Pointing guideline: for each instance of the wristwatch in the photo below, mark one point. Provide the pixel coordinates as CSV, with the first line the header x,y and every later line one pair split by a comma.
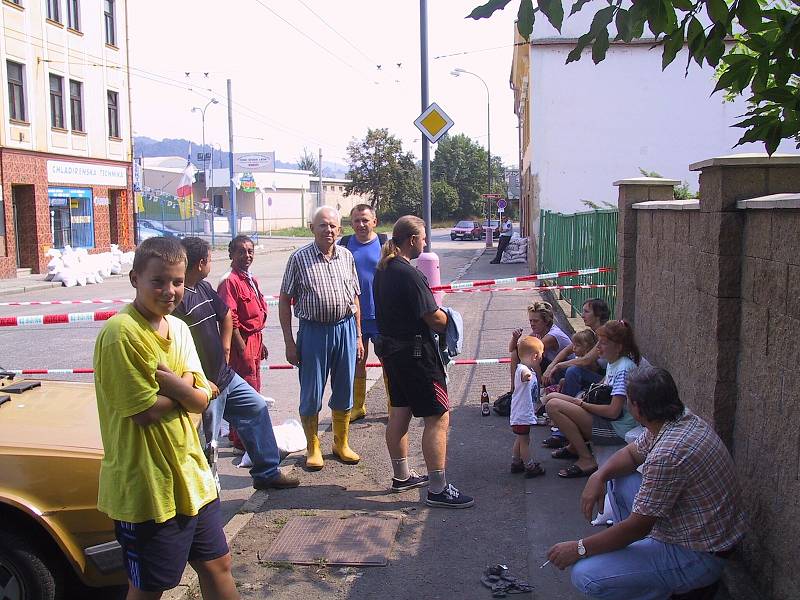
x,y
581,548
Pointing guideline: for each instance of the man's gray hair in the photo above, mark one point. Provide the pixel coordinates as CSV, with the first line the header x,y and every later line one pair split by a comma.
x,y
329,209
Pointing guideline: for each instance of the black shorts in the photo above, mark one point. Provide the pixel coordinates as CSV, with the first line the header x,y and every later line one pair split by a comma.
x,y
157,553
417,383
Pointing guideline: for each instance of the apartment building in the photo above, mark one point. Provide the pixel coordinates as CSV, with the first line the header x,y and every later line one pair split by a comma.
x,y
65,135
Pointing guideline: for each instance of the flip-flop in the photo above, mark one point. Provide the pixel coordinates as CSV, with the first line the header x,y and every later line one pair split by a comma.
x,y
574,472
564,453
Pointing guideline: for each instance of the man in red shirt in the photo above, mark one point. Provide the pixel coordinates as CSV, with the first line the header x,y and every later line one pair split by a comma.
x,y
240,291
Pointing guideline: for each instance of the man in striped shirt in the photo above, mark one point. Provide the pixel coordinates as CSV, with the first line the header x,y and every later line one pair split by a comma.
x,y
322,281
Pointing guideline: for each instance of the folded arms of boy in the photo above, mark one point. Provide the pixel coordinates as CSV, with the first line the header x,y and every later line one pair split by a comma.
x,y
174,391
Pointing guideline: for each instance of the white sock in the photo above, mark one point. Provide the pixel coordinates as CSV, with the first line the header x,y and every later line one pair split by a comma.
x,y
438,481
400,468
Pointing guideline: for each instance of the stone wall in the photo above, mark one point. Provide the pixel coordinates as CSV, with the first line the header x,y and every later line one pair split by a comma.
x,y
713,290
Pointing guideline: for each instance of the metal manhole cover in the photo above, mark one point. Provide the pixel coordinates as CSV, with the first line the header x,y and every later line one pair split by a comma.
x,y
355,542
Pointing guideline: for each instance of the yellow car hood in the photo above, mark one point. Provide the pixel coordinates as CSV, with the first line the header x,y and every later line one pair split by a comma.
x,y
57,415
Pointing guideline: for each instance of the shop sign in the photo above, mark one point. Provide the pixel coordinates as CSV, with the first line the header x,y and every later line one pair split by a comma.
x,y
254,162
60,171
247,182
56,192
101,201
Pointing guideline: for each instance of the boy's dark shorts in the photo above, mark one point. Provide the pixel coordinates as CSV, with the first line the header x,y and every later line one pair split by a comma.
x,y
417,383
156,553
521,429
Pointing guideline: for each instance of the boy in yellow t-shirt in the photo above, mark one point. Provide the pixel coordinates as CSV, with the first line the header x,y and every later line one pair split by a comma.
x,y
155,482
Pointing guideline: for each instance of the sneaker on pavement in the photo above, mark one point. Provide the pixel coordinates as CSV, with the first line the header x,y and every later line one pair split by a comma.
x,y
449,497
413,481
280,481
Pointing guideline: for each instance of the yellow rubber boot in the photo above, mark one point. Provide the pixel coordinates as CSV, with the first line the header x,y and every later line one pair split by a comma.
x,y
341,428
314,460
359,399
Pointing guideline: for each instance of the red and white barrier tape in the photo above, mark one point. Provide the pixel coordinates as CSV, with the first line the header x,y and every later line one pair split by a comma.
x,y
464,361
589,286
272,300
60,319
458,285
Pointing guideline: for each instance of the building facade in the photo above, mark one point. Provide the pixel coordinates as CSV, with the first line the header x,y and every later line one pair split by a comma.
x,y
65,135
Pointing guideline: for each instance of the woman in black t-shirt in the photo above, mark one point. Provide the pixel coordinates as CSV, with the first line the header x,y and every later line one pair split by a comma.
x,y
407,314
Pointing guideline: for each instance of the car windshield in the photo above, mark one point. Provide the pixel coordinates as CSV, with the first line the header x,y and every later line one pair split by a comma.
x,y
464,224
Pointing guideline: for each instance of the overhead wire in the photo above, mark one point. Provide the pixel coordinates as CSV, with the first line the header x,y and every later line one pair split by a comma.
x,y
311,39
334,30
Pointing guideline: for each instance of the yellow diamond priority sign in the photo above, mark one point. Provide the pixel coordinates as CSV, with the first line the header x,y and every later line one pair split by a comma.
x,y
433,122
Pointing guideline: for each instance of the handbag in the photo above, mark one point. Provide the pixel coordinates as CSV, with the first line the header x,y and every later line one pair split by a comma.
x,y
502,406
598,393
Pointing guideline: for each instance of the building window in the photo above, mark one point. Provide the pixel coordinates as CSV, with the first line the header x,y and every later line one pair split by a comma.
x,y
54,10
16,90
71,217
113,114
57,101
76,105
111,30
74,14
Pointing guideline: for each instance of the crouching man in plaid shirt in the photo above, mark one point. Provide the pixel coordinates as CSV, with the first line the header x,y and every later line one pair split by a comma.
x,y
673,533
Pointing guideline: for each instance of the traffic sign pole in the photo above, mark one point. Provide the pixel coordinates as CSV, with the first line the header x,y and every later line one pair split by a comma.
x,y
426,151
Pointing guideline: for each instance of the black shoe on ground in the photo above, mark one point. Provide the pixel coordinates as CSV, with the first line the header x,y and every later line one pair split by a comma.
x,y
494,262
413,481
517,466
450,497
279,482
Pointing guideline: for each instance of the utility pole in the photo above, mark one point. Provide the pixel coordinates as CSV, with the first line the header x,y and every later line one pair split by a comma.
x,y
319,174
426,151
230,162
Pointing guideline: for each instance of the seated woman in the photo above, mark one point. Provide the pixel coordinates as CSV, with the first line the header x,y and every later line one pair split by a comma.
x,y
581,371
606,424
540,316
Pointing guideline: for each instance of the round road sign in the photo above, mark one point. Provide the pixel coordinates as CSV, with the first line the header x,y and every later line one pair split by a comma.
x,y
501,204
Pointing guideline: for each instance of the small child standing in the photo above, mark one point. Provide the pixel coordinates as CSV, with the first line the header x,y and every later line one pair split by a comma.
x,y
526,388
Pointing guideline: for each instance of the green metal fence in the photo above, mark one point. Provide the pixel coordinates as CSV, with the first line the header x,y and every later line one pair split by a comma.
x,y
580,241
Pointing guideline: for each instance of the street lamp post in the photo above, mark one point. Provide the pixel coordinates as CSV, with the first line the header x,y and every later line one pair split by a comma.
x,y
456,73
202,112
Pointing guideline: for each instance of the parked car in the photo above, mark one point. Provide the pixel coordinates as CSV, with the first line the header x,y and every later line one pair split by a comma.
x,y
495,225
51,532
164,230
146,232
467,230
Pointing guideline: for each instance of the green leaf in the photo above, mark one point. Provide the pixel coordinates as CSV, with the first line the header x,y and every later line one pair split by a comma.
x,y
554,11
600,46
525,18
601,20
583,41
715,47
749,13
623,23
779,95
577,6
684,5
657,18
672,45
718,11
486,10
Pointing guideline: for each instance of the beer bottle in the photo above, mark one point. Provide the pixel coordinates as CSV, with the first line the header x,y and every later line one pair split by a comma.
x,y
484,402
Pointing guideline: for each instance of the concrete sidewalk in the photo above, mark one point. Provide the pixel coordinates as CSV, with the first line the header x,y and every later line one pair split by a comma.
x,y
437,553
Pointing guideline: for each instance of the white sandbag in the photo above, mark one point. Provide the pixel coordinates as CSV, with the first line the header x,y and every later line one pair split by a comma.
x,y
289,436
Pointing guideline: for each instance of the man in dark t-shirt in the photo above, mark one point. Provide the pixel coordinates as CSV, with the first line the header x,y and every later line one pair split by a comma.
x,y
211,325
407,313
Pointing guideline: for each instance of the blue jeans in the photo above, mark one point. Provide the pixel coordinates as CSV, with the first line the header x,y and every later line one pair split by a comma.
x,y
647,569
326,349
245,409
578,378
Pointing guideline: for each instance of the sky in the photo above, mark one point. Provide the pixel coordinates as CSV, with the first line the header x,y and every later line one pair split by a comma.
x,y
305,72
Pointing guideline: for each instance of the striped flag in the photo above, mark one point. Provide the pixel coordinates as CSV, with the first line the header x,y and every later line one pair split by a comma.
x,y
184,192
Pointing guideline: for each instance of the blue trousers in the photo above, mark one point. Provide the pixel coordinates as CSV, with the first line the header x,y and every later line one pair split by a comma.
x,y
578,378
647,569
245,410
326,350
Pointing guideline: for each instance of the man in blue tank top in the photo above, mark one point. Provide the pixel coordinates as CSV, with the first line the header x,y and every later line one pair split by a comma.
x,y
365,246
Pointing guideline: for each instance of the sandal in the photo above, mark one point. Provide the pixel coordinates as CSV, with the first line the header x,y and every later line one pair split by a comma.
x,y
534,470
564,452
555,442
574,472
